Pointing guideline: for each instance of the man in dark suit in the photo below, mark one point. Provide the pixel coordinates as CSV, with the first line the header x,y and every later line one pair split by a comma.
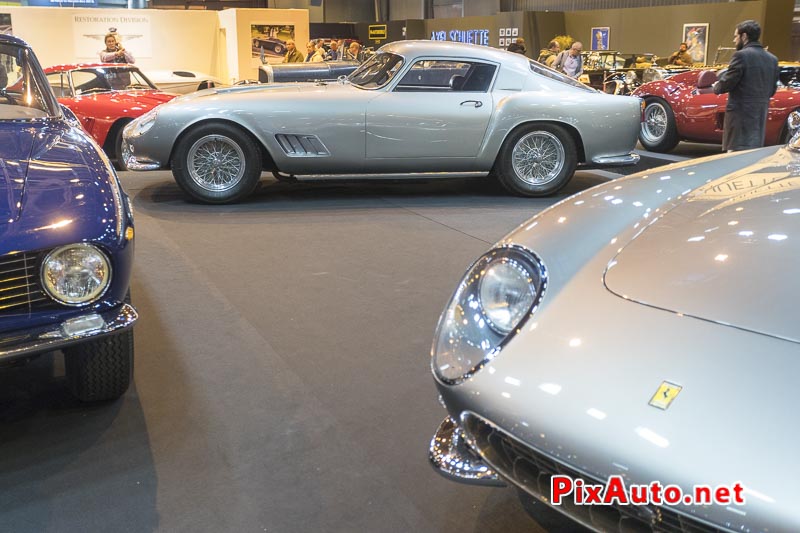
x,y
750,80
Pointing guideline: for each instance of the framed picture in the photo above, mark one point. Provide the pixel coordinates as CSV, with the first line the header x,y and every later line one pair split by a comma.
x,y
514,32
268,41
502,32
600,38
695,35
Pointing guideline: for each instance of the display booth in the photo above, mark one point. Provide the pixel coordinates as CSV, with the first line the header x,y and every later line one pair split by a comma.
x,y
227,44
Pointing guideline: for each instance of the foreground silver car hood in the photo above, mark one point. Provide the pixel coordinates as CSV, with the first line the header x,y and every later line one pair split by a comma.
x,y
575,381
724,248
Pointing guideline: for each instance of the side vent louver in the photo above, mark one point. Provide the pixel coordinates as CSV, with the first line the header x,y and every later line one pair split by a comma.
x,y
302,145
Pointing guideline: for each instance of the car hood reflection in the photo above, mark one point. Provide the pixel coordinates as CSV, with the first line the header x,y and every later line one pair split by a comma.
x,y
719,251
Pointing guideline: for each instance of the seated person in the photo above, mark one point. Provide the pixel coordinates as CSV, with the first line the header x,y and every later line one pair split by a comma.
x,y
681,57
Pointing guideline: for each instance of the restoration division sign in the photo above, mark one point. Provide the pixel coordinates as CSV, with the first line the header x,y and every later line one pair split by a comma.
x,y
133,31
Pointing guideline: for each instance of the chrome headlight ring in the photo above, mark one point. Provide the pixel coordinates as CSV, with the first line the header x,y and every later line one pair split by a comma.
x,y
498,294
76,274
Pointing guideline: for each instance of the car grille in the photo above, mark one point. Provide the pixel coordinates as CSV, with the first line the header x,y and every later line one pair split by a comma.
x,y
532,470
20,289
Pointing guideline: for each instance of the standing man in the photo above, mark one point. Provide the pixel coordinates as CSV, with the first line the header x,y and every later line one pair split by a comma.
x,y
681,57
570,61
750,80
547,56
293,55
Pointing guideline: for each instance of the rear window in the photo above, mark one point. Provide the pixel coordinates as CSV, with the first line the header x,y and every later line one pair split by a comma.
x,y
538,68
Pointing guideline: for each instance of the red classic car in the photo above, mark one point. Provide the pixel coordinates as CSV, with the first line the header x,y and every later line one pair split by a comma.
x,y
684,107
105,97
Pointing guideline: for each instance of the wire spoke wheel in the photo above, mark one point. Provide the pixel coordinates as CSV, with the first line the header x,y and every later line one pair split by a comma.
x,y
216,163
538,157
654,126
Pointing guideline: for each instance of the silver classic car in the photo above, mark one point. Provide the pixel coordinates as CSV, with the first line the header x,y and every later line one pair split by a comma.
x,y
414,107
639,338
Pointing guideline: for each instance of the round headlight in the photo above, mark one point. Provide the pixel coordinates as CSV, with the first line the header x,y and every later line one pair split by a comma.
x,y
506,294
76,274
630,77
498,293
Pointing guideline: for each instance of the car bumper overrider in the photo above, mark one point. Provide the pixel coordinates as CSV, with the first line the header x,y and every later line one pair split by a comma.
x,y
71,331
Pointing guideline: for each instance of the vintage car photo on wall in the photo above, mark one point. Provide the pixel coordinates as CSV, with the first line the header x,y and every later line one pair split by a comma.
x,y
467,108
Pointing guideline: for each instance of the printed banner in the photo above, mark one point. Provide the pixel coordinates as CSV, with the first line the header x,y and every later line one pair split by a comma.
x,y
132,30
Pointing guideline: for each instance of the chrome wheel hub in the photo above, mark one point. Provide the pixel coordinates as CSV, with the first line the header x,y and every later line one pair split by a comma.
x,y
538,157
216,163
655,123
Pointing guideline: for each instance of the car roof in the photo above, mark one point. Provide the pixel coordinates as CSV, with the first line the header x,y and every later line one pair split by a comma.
x,y
63,68
5,38
419,48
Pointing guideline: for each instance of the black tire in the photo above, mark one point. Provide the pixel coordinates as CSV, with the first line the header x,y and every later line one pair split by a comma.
x,y
101,369
204,180
658,132
536,160
118,148
278,49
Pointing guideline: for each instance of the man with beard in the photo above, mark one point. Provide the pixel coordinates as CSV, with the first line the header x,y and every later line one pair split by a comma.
x,y
750,80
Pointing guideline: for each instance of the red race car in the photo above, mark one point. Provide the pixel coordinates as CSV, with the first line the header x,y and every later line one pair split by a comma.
x,y
685,108
105,97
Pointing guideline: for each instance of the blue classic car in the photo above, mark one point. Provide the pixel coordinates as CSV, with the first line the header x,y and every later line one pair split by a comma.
x,y
66,244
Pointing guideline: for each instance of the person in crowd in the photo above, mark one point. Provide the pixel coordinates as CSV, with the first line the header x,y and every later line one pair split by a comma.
x,y
313,54
293,55
334,54
750,81
115,52
681,57
518,46
547,56
353,52
570,62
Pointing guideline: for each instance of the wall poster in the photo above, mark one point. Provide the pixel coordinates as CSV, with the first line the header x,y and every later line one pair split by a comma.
x,y
268,41
600,38
695,35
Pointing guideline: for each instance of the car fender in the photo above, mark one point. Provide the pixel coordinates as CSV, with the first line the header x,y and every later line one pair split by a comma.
x,y
593,122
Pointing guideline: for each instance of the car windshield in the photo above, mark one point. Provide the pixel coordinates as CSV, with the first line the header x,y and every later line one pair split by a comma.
x,y
377,71
24,95
547,72
104,79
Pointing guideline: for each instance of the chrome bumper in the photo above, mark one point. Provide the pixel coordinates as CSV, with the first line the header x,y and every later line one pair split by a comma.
x,y
137,163
451,456
616,161
75,330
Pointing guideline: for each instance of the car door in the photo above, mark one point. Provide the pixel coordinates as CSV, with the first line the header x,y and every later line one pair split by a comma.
x,y
703,116
439,109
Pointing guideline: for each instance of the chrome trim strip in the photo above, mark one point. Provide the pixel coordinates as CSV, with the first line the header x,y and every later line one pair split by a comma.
x,y
617,160
48,338
451,457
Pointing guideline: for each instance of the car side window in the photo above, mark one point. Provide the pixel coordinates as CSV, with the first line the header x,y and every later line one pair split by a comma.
x,y
447,76
87,81
60,84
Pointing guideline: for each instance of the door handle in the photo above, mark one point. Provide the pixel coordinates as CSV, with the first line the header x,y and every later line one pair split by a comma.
x,y
475,103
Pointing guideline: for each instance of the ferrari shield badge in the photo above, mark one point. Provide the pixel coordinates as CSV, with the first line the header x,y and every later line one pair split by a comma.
x,y
665,394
